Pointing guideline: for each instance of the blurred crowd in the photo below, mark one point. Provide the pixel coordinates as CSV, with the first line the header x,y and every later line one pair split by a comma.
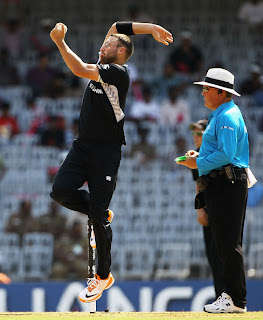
x,y
160,100
70,242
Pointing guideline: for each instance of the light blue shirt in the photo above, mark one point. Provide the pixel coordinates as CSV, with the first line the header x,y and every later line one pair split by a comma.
x,y
225,140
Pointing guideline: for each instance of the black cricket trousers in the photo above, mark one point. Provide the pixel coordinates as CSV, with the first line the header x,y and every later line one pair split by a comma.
x,y
214,260
226,206
97,164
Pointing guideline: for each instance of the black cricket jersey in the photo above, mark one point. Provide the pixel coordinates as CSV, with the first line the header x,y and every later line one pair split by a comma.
x,y
102,110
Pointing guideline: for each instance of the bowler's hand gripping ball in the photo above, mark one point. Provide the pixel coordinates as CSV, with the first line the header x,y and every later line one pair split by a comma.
x,y
60,28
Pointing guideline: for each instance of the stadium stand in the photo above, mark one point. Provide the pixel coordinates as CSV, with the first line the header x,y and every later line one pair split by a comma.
x,y
10,254
155,220
36,256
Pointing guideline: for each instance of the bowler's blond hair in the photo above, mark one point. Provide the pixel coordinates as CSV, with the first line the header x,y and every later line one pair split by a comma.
x,y
126,42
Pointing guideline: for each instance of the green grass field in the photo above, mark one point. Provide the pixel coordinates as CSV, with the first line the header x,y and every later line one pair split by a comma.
x,y
127,315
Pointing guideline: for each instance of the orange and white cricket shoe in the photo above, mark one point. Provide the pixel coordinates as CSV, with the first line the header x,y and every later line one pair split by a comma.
x,y
111,216
92,238
95,288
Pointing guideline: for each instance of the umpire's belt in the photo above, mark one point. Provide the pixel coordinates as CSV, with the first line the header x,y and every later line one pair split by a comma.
x,y
214,173
239,172
204,180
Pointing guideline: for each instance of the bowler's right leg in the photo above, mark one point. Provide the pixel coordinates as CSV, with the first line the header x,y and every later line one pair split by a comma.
x,y
71,176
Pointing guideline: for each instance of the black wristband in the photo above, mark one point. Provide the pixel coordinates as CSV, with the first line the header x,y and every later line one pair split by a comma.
x,y
124,27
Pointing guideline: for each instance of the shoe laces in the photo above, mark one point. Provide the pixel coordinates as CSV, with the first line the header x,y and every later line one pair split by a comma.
x,y
93,284
224,296
89,281
218,300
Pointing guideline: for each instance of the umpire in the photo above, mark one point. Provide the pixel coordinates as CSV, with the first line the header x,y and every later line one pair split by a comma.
x,y
221,163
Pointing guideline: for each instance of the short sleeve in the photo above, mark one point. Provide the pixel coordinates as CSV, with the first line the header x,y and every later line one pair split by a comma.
x,y
113,74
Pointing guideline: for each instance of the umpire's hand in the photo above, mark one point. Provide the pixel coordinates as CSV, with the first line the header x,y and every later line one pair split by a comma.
x,y
190,162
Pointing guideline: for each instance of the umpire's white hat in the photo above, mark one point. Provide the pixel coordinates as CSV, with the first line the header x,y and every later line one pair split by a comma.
x,y
219,78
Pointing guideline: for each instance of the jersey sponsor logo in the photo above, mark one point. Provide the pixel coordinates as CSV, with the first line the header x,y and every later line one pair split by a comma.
x,y
94,89
105,66
226,127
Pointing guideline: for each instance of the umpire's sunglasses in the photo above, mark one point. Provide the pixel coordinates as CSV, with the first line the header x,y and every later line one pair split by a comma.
x,y
197,133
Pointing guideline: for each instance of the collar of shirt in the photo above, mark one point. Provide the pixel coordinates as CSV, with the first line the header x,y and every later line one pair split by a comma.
x,y
220,108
